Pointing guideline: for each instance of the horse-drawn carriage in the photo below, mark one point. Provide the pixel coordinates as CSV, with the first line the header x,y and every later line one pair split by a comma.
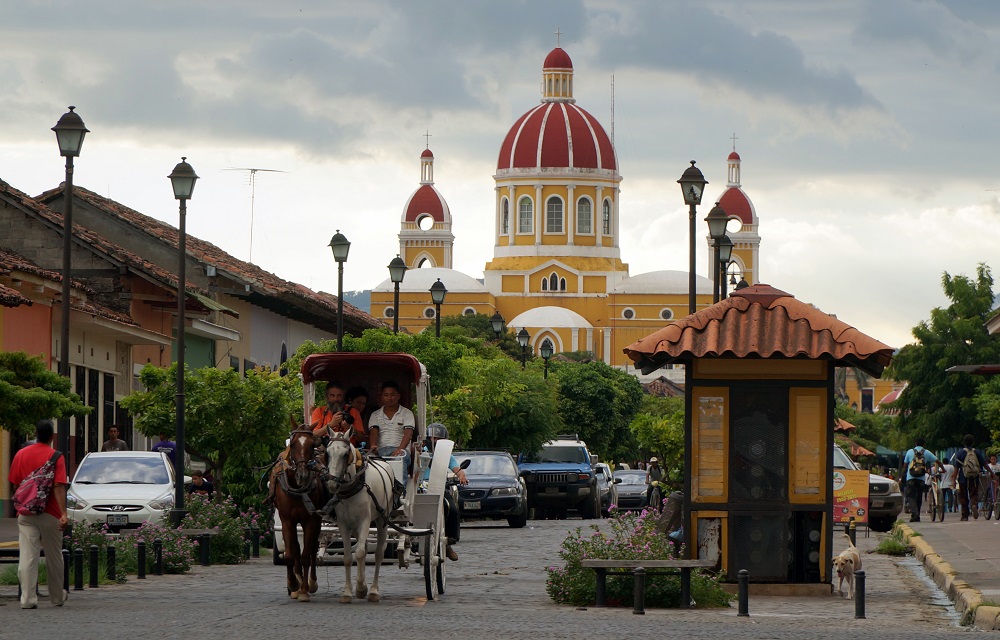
x,y
325,501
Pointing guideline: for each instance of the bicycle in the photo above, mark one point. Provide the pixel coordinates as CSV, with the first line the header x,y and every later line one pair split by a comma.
x,y
991,496
935,499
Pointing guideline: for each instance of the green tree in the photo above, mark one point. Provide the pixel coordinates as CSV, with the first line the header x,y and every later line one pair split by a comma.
x,y
235,423
939,405
659,430
987,401
873,429
29,392
598,402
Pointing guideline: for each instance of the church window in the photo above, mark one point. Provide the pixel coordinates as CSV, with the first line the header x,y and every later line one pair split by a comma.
x,y
388,312
545,284
584,216
628,313
607,218
554,216
666,314
562,284
429,312
554,282
525,216
505,217
468,311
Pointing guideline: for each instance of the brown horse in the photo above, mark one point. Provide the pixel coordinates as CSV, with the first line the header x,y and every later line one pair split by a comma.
x,y
298,493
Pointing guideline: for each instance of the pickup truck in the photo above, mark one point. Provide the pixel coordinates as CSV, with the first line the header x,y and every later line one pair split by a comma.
x,y
560,477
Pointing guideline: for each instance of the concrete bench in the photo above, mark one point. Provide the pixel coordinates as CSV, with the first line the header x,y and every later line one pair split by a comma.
x,y
649,567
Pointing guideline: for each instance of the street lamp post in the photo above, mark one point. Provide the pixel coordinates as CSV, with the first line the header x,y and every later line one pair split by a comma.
x,y
438,292
70,132
522,339
692,186
497,324
724,250
546,353
717,221
340,246
182,178
397,269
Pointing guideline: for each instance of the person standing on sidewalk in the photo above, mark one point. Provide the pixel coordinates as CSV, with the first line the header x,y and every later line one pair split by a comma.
x,y
970,462
43,531
916,462
948,487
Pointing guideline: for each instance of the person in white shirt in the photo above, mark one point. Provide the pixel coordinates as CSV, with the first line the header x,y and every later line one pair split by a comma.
x,y
391,426
948,487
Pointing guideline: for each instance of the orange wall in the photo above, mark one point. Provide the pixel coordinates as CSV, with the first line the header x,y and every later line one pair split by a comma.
x,y
27,328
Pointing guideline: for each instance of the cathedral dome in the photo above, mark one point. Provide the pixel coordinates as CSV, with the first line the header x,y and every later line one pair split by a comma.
x,y
426,200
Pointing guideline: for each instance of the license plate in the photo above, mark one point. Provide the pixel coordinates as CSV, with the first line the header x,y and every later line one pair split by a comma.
x,y
551,489
473,505
118,520
877,503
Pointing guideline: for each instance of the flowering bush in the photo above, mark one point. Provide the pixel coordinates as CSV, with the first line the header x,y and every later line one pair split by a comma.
x,y
228,545
632,537
178,550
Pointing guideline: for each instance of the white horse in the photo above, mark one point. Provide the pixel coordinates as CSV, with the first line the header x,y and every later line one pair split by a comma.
x,y
361,488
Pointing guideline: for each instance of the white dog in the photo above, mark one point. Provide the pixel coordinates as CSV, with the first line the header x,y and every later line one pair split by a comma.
x,y
846,564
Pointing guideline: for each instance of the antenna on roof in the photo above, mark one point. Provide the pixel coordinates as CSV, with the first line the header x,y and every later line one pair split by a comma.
x,y
253,187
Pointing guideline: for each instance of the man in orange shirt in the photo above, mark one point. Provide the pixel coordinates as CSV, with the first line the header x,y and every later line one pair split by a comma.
x,y
337,417
43,531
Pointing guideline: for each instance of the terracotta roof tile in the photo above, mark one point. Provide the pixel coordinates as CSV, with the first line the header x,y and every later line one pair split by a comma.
x,y
11,298
760,321
11,262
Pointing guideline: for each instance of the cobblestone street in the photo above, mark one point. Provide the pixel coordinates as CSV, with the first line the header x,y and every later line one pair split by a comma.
x,y
497,586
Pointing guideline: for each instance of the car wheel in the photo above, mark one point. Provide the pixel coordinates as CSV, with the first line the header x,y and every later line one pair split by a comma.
x,y
882,525
519,520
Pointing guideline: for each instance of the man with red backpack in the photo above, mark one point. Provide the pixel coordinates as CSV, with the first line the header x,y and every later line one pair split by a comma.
x,y
41,518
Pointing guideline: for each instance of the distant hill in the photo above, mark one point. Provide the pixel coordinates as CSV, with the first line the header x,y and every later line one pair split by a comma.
x,y
360,299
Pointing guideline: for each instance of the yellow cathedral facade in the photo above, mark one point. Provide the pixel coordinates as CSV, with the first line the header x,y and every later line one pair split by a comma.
x,y
556,269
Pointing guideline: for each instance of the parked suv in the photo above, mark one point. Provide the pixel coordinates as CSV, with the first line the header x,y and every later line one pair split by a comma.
x,y
885,501
559,477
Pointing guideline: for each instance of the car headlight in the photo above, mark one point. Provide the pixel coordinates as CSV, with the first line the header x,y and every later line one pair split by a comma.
x,y
893,487
74,502
164,502
504,491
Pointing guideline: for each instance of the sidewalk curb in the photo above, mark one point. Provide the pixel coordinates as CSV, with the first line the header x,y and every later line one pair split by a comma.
x,y
964,595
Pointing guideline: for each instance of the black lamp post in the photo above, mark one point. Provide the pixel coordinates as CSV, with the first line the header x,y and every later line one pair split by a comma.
x,y
725,253
546,353
182,178
438,292
340,246
522,339
497,323
692,186
397,269
717,221
70,132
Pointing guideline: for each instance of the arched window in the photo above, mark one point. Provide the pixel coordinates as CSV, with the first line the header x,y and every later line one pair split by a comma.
x,y
554,282
468,311
584,216
547,343
505,217
562,284
525,216
545,284
554,216
606,224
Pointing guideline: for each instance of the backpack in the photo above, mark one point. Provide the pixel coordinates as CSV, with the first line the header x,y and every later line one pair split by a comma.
x,y
970,467
917,466
32,494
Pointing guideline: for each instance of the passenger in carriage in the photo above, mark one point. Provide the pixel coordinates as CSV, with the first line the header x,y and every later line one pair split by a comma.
x,y
391,426
338,417
357,397
452,519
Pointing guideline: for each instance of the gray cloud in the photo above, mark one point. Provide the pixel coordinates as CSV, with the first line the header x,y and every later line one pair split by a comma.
x,y
903,23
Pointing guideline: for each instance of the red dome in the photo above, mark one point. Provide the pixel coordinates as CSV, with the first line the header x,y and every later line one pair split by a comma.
x,y
557,59
735,203
426,200
734,156
427,154
557,135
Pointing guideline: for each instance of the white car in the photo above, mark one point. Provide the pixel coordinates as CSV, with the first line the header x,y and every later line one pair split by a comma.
x,y
121,489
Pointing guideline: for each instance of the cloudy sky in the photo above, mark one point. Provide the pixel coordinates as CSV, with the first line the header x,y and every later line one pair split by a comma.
x,y
867,129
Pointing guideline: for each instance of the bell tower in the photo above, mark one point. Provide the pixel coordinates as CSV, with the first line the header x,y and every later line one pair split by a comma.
x,y
425,237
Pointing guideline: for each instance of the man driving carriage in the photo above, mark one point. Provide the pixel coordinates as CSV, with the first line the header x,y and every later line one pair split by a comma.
x,y
391,426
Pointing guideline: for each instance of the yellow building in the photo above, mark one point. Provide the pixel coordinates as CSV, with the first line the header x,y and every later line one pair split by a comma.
x,y
556,269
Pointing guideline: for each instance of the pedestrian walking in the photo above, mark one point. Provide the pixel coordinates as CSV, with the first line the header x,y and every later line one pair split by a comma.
x,y
916,462
970,462
42,530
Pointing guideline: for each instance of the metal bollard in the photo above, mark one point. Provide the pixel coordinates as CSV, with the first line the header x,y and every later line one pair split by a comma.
x,y
246,548
66,563
94,551
743,580
112,569
157,557
859,595
852,531
639,593
140,552
255,542
204,551
77,569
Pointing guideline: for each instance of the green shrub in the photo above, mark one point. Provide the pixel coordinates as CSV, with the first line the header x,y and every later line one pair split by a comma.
x,y
228,545
893,545
178,550
633,537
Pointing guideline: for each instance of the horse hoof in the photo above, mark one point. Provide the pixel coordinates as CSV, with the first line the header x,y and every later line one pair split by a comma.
x,y
362,592
346,599
303,597
313,586
373,597
294,595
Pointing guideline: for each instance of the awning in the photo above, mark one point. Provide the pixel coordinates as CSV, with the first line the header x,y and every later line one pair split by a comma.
x,y
977,369
212,305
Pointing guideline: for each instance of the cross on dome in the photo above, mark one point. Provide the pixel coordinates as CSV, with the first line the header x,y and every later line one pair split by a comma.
x,y
558,33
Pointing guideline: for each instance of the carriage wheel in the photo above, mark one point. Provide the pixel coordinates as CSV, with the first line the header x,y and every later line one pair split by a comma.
x,y
442,568
425,544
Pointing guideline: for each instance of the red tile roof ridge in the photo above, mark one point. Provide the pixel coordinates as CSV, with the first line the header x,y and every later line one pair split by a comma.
x,y
12,298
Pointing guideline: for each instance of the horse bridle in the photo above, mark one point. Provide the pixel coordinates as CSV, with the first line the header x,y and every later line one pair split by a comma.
x,y
309,465
348,486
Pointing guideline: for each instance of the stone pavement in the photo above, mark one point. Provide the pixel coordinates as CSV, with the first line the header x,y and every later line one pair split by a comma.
x,y
497,587
963,558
